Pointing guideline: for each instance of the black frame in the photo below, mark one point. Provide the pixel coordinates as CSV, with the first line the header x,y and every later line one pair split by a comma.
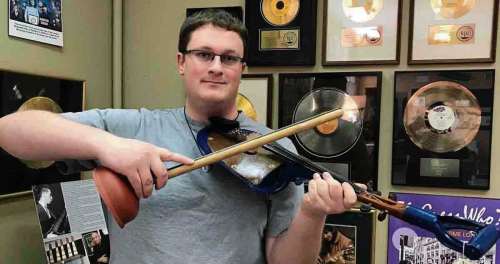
x,y
305,22
474,169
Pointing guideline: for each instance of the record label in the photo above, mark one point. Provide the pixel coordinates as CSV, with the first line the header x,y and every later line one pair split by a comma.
x,y
441,118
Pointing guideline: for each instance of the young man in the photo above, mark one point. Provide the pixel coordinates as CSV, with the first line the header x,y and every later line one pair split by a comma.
x,y
205,216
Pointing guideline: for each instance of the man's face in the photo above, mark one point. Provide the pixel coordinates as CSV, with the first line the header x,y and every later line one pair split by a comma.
x,y
96,239
47,196
211,83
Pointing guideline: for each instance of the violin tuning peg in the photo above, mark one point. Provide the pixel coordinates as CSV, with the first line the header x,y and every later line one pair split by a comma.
x,y
381,216
365,208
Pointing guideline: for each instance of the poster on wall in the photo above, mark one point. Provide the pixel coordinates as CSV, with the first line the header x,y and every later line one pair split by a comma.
x,y
38,20
410,244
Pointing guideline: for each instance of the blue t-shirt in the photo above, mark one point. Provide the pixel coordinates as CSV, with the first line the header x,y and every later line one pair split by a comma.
x,y
200,217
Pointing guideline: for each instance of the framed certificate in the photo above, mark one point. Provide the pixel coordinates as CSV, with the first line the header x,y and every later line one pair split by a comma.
x,y
361,32
255,97
444,31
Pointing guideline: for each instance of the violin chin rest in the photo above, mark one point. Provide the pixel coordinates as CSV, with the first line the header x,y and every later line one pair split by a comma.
x,y
117,194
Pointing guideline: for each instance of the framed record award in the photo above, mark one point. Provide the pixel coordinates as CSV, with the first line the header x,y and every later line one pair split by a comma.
x,y
452,31
347,146
21,92
361,32
255,97
442,128
281,32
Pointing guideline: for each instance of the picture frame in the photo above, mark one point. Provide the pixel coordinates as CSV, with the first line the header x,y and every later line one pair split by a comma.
x,y
24,91
442,128
281,33
348,238
361,35
415,245
258,90
452,34
350,149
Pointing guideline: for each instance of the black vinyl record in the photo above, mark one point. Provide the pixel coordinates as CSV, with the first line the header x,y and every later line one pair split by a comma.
x,y
281,32
442,128
349,145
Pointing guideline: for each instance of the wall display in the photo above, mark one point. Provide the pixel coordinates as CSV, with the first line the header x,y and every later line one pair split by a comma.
x,y
21,92
361,32
281,32
442,128
349,145
255,97
236,11
38,20
445,31
410,244
347,238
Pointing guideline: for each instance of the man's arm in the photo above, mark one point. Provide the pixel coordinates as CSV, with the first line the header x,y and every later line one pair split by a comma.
x,y
301,242
41,135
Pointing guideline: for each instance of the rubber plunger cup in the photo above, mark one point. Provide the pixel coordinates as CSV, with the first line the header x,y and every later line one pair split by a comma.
x,y
121,200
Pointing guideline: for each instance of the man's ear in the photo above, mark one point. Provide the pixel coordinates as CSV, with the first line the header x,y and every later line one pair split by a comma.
x,y
180,63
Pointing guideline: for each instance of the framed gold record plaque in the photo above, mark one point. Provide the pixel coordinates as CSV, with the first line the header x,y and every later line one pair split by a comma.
x,y
442,128
255,97
452,31
281,32
347,146
21,92
361,32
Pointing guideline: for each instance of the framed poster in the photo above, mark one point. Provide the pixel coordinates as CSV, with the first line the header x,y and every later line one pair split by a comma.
x,y
410,244
38,20
442,128
452,31
361,32
255,97
281,33
348,238
347,146
21,92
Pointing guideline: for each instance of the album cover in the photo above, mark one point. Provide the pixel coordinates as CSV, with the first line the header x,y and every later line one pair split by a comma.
x,y
281,32
20,92
347,146
442,128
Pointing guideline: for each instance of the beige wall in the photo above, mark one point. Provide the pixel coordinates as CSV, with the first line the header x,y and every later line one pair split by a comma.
x,y
150,79
86,55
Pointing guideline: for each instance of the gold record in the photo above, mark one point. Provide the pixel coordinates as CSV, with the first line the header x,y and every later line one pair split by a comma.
x,y
362,10
244,104
452,9
279,12
442,116
39,103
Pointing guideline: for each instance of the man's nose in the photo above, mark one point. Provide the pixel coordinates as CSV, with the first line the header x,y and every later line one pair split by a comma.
x,y
215,65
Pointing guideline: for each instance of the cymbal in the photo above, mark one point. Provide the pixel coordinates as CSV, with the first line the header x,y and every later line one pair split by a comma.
x,y
244,104
332,138
442,116
39,103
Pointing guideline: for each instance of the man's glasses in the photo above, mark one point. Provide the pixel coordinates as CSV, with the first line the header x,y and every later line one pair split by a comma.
x,y
208,56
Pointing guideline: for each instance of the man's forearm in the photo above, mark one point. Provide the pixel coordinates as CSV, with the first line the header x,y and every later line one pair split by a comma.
x,y
40,135
301,242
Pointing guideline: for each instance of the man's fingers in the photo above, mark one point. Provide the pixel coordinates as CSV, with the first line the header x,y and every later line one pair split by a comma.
x,y
166,155
350,197
135,181
160,172
146,181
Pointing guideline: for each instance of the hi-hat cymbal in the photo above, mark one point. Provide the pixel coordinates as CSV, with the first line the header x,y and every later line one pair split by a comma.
x,y
362,11
452,9
333,138
442,116
39,103
279,12
244,104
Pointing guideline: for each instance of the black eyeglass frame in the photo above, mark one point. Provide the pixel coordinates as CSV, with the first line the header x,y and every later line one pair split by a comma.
x,y
228,58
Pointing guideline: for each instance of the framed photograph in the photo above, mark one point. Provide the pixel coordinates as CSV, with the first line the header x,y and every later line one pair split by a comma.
x,y
255,97
347,146
281,33
38,20
361,32
452,31
19,92
348,238
411,244
443,128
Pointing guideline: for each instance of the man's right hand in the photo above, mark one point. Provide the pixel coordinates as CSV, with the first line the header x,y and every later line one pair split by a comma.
x,y
138,160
